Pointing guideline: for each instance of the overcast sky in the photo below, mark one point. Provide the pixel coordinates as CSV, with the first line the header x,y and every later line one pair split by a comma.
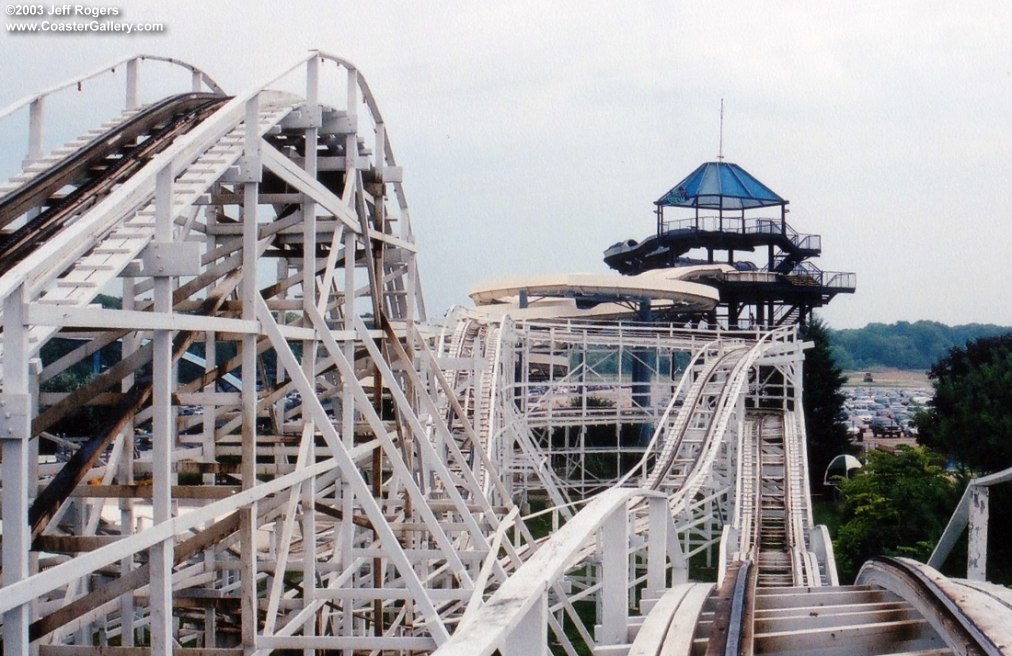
x,y
534,135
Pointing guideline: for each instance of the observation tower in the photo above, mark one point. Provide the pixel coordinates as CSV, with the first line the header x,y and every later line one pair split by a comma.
x,y
709,218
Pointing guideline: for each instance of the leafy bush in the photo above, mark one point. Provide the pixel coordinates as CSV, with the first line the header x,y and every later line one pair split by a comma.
x,y
898,505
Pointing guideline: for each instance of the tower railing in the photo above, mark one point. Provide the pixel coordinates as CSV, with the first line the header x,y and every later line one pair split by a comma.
x,y
744,226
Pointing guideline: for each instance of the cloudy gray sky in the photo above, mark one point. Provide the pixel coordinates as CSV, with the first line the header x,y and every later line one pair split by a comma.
x,y
536,134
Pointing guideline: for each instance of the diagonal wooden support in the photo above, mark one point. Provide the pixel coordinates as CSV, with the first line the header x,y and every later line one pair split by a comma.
x,y
349,470
393,453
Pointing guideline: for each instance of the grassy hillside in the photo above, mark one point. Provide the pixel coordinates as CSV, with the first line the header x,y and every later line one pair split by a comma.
x,y
903,345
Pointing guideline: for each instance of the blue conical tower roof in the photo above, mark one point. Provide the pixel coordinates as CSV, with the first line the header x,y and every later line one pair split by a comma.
x,y
720,185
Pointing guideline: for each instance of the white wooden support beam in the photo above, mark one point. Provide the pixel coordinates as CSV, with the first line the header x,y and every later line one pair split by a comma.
x,y
953,530
171,258
91,317
348,407
530,637
614,550
381,146
312,84
309,346
397,464
657,547
351,475
976,557
352,92
338,123
351,140
15,416
346,534
250,162
287,170
162,433
15,433
130,343
249,296
67,572
126,508
132,101
309,569
35,125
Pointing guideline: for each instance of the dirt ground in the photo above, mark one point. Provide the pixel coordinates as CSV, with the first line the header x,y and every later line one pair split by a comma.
x,y
888,378
871,443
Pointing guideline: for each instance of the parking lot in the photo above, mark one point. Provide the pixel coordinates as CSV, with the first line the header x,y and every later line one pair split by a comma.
x,y
880,407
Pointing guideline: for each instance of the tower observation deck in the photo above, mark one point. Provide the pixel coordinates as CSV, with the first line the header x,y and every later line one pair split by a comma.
x,y
710,217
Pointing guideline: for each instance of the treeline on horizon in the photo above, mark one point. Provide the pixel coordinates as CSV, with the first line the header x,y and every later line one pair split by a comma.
x,y
903,345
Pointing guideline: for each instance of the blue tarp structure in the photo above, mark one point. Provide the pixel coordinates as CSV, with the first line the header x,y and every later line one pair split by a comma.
x,y
720,185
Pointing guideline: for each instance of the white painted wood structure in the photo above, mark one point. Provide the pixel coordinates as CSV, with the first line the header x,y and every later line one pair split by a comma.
x,y
334,474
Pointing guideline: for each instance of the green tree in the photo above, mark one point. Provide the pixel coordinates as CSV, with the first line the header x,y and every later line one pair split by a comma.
x,y
897,505
970,417
823,401
903,345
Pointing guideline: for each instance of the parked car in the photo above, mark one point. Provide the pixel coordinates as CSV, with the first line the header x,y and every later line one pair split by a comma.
x,y
881,427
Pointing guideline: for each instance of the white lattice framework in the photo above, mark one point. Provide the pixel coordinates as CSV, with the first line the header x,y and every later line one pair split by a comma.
x,y
372,485
326,503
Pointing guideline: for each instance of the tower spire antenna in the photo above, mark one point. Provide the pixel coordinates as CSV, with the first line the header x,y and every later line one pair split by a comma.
x,y
720,145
